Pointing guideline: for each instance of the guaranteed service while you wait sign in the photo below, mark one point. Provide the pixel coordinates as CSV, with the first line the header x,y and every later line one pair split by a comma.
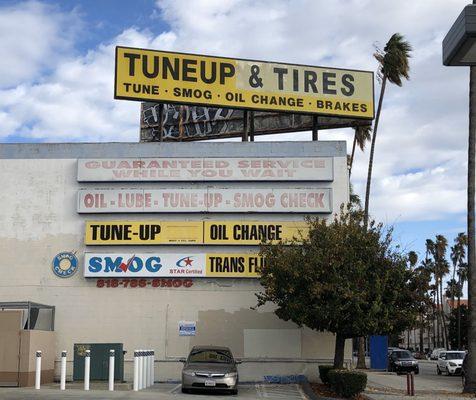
x,y
225,82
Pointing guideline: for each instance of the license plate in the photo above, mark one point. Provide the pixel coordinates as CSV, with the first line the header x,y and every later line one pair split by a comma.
x,y
210,383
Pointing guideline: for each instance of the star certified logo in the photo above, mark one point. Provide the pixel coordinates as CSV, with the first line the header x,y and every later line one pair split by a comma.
x,y
185,262
65,264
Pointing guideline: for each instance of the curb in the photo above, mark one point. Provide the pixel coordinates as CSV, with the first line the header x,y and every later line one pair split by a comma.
x,y
306,388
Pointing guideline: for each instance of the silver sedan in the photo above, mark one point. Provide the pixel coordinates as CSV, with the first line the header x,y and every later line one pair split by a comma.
x,y
210,367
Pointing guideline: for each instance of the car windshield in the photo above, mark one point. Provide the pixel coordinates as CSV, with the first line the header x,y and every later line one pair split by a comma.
x,y
455,356
402,355
210,356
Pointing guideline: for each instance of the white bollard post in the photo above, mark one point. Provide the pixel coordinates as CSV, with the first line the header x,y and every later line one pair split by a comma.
x,y
63,371
140,369
38,370
152,371
136,370
87,369
143,369
111,370
148,369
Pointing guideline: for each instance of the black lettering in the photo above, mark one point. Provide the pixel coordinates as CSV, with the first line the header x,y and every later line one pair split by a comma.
x,y
94,231
363,108
281,72
310,78
168,68
295,80
132,62
227,70
347,80
328,80
145,65
203,72
188,67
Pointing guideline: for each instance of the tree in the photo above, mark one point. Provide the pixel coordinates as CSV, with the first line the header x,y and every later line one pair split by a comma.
x,y
453,334
393,66
362,135
344,278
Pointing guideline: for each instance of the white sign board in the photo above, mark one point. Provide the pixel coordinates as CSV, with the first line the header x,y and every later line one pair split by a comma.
x,y
265,200
206,169
187,328
152,265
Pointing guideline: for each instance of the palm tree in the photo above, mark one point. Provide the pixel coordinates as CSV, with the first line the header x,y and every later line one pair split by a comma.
x,y
362,134
393,66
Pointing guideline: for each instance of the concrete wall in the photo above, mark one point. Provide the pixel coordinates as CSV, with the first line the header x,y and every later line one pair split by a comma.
x,y
39,220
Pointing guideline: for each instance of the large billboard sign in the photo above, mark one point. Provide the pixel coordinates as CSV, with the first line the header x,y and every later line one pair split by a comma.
x,y
256,85
166,265
187,122
210,199
155,232
206,169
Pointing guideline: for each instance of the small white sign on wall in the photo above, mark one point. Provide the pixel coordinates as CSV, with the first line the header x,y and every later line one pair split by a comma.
x,y
187,328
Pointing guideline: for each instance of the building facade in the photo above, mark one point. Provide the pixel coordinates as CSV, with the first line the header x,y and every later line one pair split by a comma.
x,y
57,197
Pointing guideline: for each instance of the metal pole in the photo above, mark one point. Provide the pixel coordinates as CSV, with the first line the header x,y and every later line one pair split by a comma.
x,y
412,384
111,370
136,370
252,126
38,370
315,132
87,369
63,371
147,368
470,373
143,370
245,126
152,371
161,121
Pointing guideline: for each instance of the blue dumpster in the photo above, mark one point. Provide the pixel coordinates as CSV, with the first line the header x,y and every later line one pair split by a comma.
x,y
378,352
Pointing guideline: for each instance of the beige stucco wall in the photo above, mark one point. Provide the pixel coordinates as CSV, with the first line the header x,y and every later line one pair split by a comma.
x,y
39,220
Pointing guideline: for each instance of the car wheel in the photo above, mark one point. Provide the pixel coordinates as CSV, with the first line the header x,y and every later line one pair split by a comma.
x,y
417,371
234,391
438,370
447,371
185,390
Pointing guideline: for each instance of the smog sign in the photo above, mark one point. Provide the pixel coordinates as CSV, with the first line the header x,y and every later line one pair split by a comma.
x,y
166,265
257,85
206,169
210,199
155,232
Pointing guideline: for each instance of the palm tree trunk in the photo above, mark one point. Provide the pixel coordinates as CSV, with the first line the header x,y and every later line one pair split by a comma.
x,y
470,381
443,317
459,317
361,356
353,152
372,150
361,353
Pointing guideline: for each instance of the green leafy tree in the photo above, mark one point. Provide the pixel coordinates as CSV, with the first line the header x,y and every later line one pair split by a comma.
x,y
344,278
454,335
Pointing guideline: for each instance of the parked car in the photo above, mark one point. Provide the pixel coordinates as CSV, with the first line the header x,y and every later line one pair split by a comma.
x,y
390,349
450,362
210,367
401,361
435,353
419,355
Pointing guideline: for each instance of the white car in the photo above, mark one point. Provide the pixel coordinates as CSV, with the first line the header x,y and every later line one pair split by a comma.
x,y
435,353
450,362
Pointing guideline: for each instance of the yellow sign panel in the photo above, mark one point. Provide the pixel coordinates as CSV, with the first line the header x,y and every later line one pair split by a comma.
x,y
251,232
196,232
233,265
225,82
143,232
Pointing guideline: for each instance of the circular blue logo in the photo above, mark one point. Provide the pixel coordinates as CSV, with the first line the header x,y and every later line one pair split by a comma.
x,y
65,264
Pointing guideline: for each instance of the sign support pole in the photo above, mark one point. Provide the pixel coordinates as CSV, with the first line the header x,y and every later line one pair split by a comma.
x,y
315,134
244,138
161,121
252,126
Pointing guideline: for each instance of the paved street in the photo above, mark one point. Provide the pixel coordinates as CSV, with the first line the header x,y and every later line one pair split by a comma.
x,y
160,391
386,385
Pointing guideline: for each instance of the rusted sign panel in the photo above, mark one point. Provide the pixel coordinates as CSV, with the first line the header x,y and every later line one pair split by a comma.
x,y
187,123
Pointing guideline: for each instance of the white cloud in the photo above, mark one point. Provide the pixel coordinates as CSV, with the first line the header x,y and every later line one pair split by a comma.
x,y
419,171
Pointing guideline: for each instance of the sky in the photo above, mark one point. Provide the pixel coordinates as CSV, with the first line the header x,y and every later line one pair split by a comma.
x,y
57,72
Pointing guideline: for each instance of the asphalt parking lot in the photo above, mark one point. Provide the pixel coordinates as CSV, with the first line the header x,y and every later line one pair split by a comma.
x,y
159,391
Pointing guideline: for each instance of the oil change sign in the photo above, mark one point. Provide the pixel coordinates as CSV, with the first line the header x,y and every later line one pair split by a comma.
x,y
195,232
166,265
225,82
